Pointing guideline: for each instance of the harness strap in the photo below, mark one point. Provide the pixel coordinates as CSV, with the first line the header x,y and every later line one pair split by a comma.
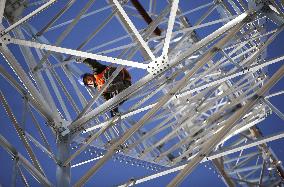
x,y
100,77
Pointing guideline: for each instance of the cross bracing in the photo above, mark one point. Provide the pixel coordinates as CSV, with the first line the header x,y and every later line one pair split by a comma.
x,y
200,87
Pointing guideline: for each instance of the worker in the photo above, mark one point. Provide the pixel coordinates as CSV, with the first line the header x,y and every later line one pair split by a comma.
x,y
101,73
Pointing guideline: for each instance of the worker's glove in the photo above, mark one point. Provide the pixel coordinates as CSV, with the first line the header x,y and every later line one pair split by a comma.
x,y
79,59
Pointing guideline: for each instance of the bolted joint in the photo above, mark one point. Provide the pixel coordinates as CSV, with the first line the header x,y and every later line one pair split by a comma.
x,y
60,137
158,66
50,123
5,38
2,33
59,163
217,2
216,49
261,97
203,155
121,147
118,148
249,17
132,181
245,69
122,1
15,157
265,8
256,96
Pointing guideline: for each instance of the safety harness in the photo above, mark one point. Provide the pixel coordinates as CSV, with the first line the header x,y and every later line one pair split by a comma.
x,y
101,79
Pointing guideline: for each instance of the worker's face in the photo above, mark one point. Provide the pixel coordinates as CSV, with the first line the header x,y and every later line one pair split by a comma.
x,y
90,80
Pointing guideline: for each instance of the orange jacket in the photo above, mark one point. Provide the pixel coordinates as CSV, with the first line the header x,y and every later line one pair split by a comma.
x,y
104,75
100,78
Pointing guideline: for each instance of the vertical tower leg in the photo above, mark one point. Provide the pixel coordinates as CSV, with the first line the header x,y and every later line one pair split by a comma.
x,y
63,172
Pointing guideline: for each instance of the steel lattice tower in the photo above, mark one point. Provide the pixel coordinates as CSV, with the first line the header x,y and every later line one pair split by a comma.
x,y
200,87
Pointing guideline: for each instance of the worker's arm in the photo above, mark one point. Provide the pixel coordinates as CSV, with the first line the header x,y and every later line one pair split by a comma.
x,y
126,75
90,62
123,75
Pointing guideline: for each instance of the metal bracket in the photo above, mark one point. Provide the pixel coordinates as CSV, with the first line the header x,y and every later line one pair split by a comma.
x,y
131,182
64,126
159,65
6,39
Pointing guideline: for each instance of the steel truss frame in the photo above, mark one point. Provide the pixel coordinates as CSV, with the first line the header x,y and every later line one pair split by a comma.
x,y
199,99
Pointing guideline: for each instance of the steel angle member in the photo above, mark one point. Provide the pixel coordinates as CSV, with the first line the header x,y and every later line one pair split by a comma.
x,y
27,17
75,52
2,7
146,79
123,116
131,28
24,162
213,155
229,124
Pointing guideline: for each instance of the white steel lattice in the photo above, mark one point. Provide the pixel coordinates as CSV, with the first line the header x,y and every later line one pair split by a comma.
x,y
200,87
